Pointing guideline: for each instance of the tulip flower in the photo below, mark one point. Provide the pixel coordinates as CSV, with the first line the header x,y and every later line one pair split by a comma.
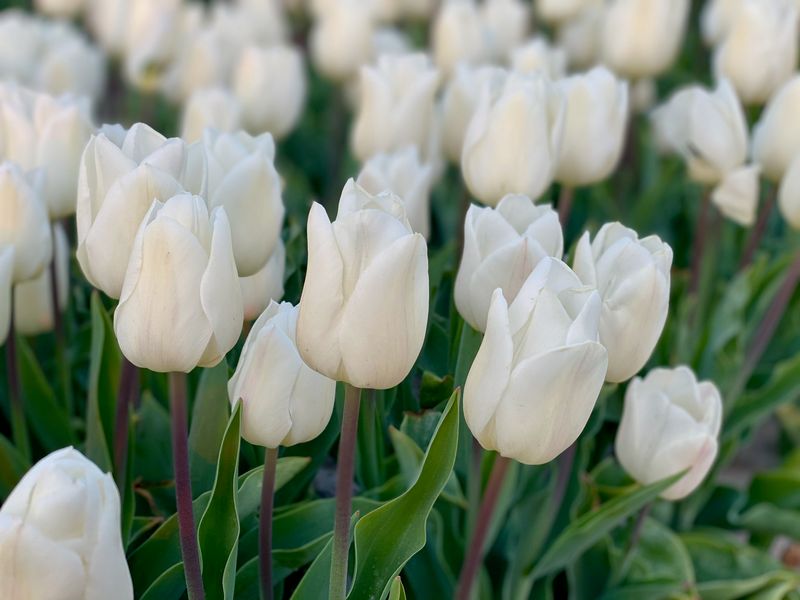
x,y
69,64
60,533
25,225
776,136
364,306
60,8
540,368
403,174
513,141
210,108
507,22
632,276
594,135
341,38
284,402
717,18
396,107
180,305
266,285
537,55
670,423
502,246
121,173
6,272
459,36
789,194
243,179
581,37
559,11
200,63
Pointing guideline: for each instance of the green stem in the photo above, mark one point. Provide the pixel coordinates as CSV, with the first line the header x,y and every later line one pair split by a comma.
x,y
757,233
700,239
265,522
62,356
127,383
633,542
19,428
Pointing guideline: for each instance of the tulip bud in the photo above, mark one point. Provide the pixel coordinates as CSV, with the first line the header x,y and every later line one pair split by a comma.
x,y
459,35
60,533
514,140
60,8
641,38
107,20
121,173
559,11
364,307
6,282
789,194
538,55
670,423
507,22
717,19
632,277
736,196
33,300
403,174
581,37
181,306
502,246
211,108
266,285
20,44
539,370
341,38
24,222
70,66
243,179
594,134
759,52
776,136
270,84
284,402
198,65
396,107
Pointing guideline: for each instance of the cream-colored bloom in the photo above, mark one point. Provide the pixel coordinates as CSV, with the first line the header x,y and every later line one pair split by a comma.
x,y
538,56
459,35
265,286
210,108
789,194
776,136
341,38
581,37
507,22
559,11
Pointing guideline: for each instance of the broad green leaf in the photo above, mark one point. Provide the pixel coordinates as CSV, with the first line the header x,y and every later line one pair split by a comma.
x,y
370,441
12,467
397,591
170,584
209,419
469,343
660,556
153,459
248,579
428,575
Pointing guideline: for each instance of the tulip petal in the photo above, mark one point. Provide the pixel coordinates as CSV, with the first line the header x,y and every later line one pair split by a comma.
x,y
311,408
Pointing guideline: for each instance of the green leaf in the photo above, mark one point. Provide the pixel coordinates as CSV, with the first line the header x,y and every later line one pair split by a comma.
x,y
170,585
397,591
389,536
209,419
12,467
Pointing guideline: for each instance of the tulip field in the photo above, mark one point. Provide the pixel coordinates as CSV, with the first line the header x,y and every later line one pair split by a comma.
x,y
388,299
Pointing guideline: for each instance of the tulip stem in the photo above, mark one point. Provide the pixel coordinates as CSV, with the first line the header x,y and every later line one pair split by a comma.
x,y
19,428
565,198
633,541
62,357
754,241
265,523
183,488
127,382
472,562
344,494
700,238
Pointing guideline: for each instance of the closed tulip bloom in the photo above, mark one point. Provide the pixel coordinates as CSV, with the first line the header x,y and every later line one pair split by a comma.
x,y
200,64
23,222
107,20
736,196
759,52
641,38
260,289
540,368
396,107
33,300
776,136
70,65
597,118
210,108
60,8
502,247
284,401
558,11
632,276
717,19
507,22
670,423
153,29
243,179
181,306
513,141
538,56
60,533
789,194
121,173
6,272
459,35
581,37
341,38
403,174
364,307
270,84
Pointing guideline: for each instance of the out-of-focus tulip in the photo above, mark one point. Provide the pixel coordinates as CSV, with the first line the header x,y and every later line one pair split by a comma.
x,y
342,38
397,106
121,173
243,179
364,307
717,18
33,300
759,52
513,141
460,101
60,533
199,64
60,8
284,401
266,285
459,35
153,35
502,246
403,174
581,36
211,108
69,65
643,95
789,194
736,196
540,368
632,276
388,40
107,20
270,84
417,9
507,22
181,305
558,11
670,423
597,117
776,136
641,38
23,222
6,272
538,56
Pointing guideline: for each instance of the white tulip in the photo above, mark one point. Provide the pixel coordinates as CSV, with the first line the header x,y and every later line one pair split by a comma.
x,y
243,179
107,20
364,307
717,18
24,222
121,173
20,45
199,64
459,35
60,533
181,306
507,22
581,38
540,368
537,55
284,402
789,194
6,289
776,136
388,40
502,247
60,8
670,423
559,11
632,276
417,9
211,108
641,38
513,141
153,37
736,196
265,286
70,65
594,135
264,21
759,52
341,38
